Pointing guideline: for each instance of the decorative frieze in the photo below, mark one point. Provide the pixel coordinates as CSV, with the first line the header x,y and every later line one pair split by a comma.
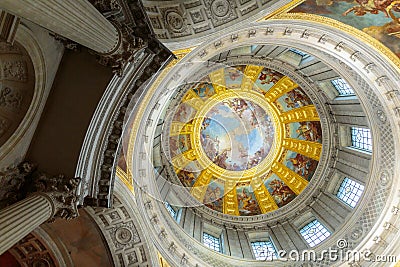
x,y
176,21
306,148
230,205
307,113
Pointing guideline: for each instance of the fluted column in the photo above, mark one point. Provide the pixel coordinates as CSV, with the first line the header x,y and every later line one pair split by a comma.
x,y
54,197
77,20
18,220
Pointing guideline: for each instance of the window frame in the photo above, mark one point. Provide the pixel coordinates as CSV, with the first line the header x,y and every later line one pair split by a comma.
x,y
343,92
171,209
274,255
210,236
311,242
352,200
367,144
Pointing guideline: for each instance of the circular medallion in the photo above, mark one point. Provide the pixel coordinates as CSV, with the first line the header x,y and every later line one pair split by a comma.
x,y
220,8
237,134
123,235
175,21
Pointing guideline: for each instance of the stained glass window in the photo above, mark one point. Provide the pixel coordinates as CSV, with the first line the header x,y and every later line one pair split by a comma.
x,y
212,242
361,138
342,87
350,192
314,233
170,209
264,250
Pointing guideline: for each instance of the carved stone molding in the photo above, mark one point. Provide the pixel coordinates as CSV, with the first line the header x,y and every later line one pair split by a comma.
x,y
19,181
124,237
99,156
188,20
145,57
17,82
33,251
12,179
135,33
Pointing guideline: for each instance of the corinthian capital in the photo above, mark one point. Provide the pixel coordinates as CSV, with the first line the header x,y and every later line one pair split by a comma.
x,y
62,193
128,47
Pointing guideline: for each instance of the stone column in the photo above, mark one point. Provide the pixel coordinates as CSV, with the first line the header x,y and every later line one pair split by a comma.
x,y
56,197
76,20
22,218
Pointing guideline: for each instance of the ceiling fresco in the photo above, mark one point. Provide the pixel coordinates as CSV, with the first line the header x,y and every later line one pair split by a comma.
x,y
245,140
379,19
236,134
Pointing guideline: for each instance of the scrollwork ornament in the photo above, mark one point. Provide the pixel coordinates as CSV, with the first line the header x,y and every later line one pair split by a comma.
x,y
172,247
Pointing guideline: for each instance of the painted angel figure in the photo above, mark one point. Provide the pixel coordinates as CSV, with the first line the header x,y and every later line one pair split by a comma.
x,y
374,7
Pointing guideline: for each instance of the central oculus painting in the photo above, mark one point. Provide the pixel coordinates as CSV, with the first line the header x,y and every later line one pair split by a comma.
x,y
237,134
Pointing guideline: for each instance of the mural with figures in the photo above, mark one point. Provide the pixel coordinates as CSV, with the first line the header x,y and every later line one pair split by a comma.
x,y
184,113
281,193
247,202
234,76
190,173
266,79
300,164
237,134
204,89
214,193
380,19
308,131
293,99
179,144
234,135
